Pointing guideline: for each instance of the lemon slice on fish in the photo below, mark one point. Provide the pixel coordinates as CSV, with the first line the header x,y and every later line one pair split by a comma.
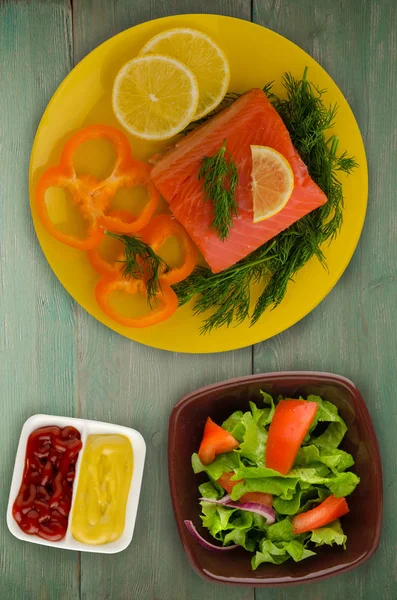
x,y
155,97
202,56
272,182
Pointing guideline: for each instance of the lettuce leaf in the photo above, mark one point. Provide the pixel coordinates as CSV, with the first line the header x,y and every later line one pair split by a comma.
x,y
225,523
298,551
270,554
215,518
281,531
244,472
261,479
242,538
211,490
279,552
223,463
254,441
307,456
314,474
257,413
313,495
263,416
243,519
343,484
267,399
340,484
335,432
278,486
232,421
302,500
336,460
331,534
326,411
235,426
288,507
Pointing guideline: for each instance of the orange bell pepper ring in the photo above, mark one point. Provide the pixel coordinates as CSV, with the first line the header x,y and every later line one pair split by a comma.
x,y
93,196
158,230
108,268
166,301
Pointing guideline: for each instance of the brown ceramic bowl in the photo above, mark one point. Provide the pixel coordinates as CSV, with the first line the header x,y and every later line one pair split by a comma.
x,y
362,525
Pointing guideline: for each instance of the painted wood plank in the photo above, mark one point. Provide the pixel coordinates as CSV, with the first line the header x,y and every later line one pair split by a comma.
x,y
37,317
37,368
352,332
124,382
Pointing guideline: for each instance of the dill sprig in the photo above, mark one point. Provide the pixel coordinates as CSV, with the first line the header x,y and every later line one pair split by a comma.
x,y
226,295
220,177
141,262
228,292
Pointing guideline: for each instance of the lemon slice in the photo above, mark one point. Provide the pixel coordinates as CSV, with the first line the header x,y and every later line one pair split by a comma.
x,y
202,56
272,182
155,97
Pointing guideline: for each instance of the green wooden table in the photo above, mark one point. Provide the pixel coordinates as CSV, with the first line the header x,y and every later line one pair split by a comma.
x,y
55,358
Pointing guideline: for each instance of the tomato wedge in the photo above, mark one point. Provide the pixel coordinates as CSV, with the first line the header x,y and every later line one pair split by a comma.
x,y
215,441
290,424
332,508
256,497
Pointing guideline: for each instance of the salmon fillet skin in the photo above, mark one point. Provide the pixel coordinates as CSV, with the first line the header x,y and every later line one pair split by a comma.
x,y
250,120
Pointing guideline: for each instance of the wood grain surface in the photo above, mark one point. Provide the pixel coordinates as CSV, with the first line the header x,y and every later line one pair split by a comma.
x,y
55,358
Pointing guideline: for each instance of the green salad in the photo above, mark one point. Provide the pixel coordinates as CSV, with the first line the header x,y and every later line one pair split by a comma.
x,y
277,479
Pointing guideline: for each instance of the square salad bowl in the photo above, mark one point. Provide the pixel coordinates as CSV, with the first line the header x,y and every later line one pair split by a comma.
x,y
363,523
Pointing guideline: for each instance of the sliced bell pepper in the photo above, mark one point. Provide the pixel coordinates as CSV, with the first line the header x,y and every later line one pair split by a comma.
x,y
257,497
290,424
332,508
98,261
157,231
59,177
167,301
93,196
215,441
101,265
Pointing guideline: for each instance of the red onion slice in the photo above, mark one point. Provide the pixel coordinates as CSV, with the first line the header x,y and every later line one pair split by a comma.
x,y
191,529
261,509
225,500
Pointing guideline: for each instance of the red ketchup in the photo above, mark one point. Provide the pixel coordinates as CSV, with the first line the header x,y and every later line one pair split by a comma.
x,y
43,503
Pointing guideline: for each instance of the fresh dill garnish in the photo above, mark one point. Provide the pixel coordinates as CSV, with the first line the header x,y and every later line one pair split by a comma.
x,y
141,262
226,295
220,177
228,292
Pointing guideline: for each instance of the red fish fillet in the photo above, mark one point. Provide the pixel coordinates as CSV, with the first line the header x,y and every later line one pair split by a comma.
x,y
250,120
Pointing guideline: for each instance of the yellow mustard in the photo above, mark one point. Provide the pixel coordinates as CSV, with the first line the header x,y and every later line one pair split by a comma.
x,y
102,492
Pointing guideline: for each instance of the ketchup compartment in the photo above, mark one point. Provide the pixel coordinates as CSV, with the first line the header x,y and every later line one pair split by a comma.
x,y
44,500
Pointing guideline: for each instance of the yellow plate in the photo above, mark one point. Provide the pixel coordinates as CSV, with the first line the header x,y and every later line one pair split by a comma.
x,y
260,56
